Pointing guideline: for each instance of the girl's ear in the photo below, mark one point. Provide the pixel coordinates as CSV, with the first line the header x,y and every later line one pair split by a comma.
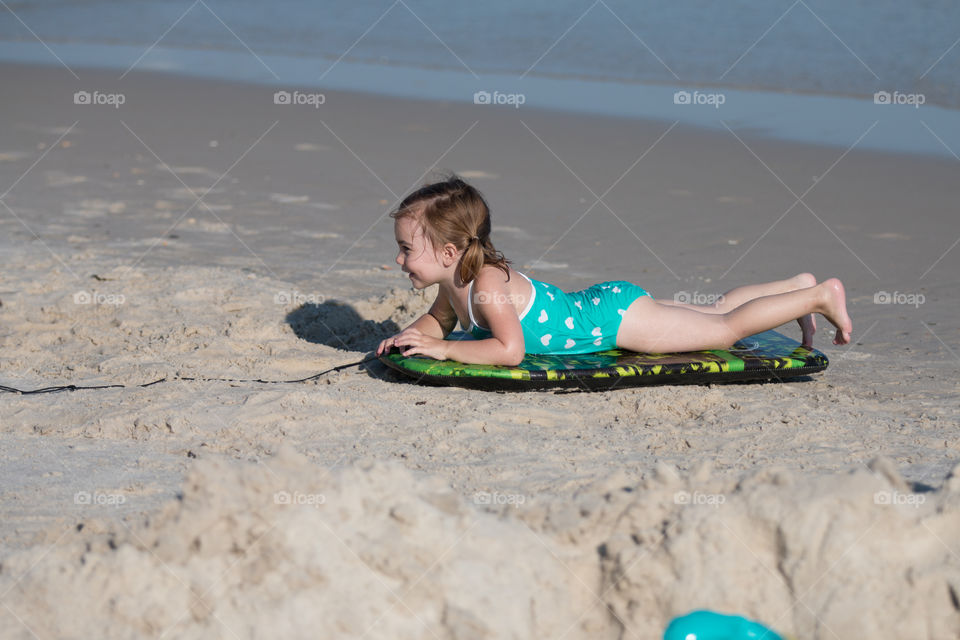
x,y
449,254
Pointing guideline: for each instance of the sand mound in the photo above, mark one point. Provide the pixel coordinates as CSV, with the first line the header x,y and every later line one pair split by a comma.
x,y
282,548
852,556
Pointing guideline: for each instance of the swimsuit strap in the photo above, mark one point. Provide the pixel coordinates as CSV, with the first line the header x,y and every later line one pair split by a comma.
x,y
473,321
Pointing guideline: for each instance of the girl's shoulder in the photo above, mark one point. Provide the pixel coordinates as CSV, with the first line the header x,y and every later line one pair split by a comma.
x,y
493,276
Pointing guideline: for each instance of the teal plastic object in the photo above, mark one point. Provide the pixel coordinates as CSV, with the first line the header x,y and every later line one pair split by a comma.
x,y
709,625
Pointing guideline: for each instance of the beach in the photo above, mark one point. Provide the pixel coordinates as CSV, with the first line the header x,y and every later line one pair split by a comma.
x,y
201,229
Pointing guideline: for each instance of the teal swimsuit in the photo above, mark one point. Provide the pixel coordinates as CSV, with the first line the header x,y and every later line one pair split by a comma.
x,y
555,322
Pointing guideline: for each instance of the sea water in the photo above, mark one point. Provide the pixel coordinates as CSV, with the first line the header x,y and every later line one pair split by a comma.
x,y
872,74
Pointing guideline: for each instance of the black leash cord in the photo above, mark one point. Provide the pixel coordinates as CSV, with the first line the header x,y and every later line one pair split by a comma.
x,y
73,387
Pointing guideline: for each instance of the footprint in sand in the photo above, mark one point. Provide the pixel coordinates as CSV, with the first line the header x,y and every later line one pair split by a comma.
x,y
183,193
284,198
316,235
189,171
309,146
546,266
13,156
49,131
94,208
60,179
511,230
212,227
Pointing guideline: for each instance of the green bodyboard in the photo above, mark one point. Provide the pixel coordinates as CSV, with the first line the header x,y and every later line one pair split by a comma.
x,y
764,356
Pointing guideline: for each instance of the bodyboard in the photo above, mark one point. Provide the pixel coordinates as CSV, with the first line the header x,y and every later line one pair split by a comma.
x,y
764,356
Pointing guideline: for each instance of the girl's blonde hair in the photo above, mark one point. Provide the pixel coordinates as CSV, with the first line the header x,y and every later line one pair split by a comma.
x,y
455,212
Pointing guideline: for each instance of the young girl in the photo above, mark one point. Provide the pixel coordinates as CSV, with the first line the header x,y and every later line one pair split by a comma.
x,y
443,231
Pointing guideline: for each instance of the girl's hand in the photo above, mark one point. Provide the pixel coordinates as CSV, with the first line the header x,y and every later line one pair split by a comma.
x,y
400,340
389,343
417,342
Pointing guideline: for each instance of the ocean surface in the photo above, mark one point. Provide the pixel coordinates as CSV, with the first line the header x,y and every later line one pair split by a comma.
x,y
806,70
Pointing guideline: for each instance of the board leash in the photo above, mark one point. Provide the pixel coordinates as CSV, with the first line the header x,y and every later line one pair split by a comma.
x,y
74,387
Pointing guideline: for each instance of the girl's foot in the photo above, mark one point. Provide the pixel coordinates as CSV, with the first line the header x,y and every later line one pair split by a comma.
x,y
835,309
808,323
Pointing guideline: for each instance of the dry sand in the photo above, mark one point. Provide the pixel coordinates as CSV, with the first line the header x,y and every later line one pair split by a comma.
x,y
422,512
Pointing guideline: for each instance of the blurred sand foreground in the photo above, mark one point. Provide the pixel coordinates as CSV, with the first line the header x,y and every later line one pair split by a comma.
x,y
364,506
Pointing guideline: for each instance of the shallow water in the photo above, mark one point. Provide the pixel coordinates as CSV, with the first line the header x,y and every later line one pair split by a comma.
x,y
851,48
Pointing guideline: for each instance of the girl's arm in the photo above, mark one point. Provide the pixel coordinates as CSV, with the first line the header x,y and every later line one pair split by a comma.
x,y
494,305
439,321
442,315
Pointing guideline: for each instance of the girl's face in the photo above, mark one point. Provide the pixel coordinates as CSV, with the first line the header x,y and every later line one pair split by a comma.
x,y
416,256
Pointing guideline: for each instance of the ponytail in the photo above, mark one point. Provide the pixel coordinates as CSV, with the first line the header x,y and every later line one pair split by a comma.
x,y
477,254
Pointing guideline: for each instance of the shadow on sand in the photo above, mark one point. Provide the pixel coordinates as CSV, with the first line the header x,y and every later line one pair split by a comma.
x,y
338,325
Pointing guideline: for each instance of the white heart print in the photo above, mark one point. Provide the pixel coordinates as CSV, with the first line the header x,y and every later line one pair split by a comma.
x,y
616,289
546,339
543,315
596,331
569,344
579,305
596,301
569,323
597,341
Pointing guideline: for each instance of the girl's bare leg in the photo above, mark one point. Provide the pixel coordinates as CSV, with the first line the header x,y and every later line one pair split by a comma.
x,y
741,295
659,328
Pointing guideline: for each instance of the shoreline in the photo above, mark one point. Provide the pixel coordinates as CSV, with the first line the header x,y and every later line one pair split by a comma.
x,y
803,117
